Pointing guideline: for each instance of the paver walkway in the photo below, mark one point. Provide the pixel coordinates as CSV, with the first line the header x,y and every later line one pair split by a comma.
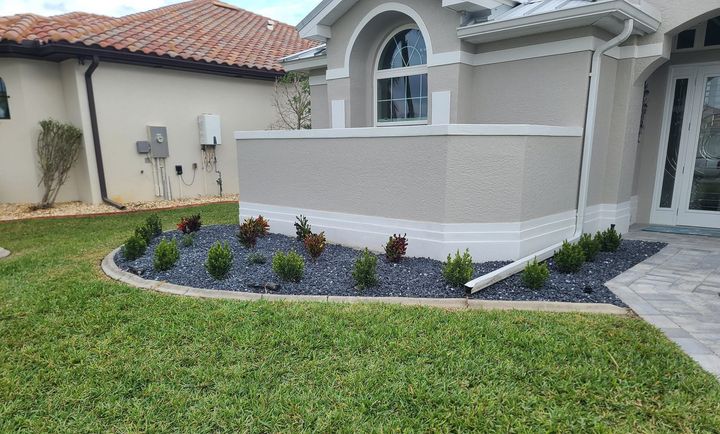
x,y
678,291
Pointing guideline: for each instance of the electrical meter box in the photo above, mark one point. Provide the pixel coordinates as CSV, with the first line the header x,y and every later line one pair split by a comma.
x,y
210,133
157,136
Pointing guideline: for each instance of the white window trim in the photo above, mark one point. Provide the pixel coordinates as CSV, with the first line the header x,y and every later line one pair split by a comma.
x,y
379,74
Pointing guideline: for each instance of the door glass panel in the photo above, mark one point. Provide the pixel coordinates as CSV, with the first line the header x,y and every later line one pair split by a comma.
x,y
705,189
673,146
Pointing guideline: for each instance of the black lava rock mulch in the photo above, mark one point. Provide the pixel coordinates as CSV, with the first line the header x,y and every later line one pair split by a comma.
x,y
586,286
412,277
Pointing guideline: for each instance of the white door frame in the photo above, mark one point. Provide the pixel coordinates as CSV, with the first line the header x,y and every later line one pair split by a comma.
x,y
678,214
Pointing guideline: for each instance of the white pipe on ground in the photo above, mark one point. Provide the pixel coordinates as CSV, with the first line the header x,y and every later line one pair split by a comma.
x,y
589,133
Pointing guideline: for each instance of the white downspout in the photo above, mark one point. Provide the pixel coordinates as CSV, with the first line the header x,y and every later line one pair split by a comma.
x,y
589,133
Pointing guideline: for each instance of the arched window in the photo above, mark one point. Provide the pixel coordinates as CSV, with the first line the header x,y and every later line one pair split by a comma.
x,y
4,106
401,75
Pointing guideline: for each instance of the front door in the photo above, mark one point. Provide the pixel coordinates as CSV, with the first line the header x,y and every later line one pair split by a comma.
x,y
689,188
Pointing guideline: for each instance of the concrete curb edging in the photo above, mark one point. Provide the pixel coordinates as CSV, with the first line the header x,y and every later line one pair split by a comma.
x,y
111,269
4,253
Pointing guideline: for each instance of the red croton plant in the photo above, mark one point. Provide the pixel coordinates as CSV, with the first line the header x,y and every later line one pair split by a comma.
x,y
190,224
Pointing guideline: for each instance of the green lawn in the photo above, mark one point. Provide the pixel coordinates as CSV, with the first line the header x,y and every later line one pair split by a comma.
x,y
80,353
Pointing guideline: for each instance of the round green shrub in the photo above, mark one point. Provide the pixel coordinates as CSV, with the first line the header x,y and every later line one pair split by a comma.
x,y
154,225
458,270
610,239
145,233
288,266
188,239
219,260
535,275
256,258
570,258
166,255
365,270
590,246
134,247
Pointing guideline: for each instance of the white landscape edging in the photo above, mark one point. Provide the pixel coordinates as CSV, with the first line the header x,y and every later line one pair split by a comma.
x,y
114,272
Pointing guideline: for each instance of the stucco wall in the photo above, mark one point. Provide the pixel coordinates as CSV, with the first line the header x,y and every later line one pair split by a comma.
x,y
131,98
442,179
128,99
37,92
507,92
548,90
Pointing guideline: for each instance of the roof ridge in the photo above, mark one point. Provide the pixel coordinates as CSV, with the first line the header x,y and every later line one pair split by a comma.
x,y
209,31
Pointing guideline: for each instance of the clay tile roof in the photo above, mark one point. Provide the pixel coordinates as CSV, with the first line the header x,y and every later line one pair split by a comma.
x,y
201,30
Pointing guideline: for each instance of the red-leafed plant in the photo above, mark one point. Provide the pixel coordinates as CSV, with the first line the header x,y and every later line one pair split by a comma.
x,y
396,248
315,245
190,224
249,232
263,226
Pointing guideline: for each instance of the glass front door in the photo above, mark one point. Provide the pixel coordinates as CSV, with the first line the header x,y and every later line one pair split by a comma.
x,y
700,200
688,184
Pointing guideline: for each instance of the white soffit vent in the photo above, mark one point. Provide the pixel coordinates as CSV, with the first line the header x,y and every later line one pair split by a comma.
x,y
477,5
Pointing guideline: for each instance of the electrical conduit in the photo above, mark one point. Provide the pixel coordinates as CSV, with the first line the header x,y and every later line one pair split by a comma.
x,y
589,133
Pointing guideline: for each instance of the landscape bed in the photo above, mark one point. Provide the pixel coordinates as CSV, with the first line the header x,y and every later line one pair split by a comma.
x,y
330,274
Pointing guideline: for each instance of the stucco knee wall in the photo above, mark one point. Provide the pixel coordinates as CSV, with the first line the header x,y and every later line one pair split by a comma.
x,y
499,196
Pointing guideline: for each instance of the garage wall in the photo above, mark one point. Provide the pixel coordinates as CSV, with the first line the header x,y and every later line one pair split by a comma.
x,y
129,98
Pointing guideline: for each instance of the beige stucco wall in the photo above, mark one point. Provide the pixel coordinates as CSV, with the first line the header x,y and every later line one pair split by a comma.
x,y
505,92
38,90
442,179
549,90
128,99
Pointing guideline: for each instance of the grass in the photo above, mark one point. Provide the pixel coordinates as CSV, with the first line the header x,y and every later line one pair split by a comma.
x,y
80,353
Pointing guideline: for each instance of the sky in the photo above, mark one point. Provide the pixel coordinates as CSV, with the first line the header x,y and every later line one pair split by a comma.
x,y
288,11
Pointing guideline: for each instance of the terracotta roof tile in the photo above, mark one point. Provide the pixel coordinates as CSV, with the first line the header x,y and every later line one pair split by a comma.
x,y
201,30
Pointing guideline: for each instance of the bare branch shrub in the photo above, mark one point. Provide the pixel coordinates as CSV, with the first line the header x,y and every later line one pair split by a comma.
x,y
58,148
291,100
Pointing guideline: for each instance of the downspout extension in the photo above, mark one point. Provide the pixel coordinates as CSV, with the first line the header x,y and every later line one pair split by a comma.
x,y
96,133
588,141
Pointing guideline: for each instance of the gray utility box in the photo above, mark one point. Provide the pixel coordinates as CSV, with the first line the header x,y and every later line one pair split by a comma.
x,y
142,146
157,136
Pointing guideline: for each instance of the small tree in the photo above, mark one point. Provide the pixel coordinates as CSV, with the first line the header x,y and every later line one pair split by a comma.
x,y
291,100
58,148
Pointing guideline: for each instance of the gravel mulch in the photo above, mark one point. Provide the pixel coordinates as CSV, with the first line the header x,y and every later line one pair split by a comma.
x,y
412,277
18,211
586,286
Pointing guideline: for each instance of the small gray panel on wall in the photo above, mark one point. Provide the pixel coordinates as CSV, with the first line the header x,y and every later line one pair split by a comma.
x,y
158,142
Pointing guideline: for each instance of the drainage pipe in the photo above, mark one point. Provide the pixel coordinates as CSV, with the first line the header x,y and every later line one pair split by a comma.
x,y
588,141
96,133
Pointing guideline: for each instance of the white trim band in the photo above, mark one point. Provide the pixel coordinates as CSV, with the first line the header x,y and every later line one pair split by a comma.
x,y
486,241
416,131
555,48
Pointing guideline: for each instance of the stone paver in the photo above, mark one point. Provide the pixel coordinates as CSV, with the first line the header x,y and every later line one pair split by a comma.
x,y
678,291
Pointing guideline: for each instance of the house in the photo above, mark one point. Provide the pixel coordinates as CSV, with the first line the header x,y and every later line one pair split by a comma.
x,y
138,87
502,126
